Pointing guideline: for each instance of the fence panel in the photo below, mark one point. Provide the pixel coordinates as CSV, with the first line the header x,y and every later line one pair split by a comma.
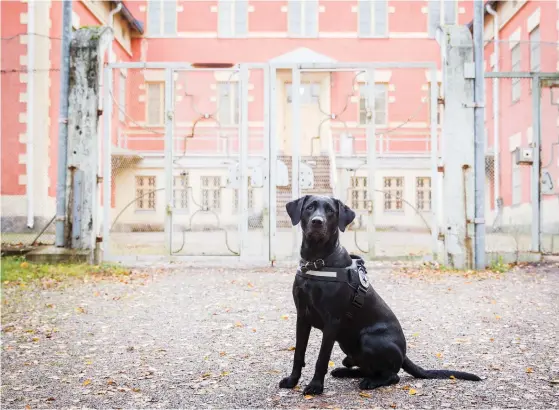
x,y
549,103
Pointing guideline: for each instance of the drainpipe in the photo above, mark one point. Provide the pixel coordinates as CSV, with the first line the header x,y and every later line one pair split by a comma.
x,y
496,119
30,155
111,22
60,239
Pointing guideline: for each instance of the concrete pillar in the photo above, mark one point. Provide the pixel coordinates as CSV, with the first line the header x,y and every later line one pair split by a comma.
x,y
458,147
86,53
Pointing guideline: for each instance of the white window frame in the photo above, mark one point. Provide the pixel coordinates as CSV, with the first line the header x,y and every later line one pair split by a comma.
x,y
440,110
250,199
516,181
373,20
122,97
234,105
395,204
211,186
232,29
307,92
358,193
445,18
433,21
423,188
161,121
303,30
516,84
535,49
159,30
383,87
181,200
145,189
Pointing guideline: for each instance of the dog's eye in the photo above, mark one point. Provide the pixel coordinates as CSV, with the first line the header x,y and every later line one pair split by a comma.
x,y
329,210
310,207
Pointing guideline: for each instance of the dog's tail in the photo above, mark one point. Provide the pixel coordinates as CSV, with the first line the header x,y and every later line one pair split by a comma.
x,y
420,373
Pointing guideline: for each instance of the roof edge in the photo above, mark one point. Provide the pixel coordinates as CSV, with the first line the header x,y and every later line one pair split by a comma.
x,y
134,23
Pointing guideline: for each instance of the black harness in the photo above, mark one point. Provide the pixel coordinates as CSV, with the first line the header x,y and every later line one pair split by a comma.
x,y
354,275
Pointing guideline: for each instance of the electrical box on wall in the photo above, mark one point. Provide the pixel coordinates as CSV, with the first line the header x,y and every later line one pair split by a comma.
x,y
524,156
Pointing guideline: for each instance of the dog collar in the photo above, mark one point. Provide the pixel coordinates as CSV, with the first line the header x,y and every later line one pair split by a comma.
x,y
316,265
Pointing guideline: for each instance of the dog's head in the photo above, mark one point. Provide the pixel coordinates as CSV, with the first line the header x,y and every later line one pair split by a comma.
x,y
320,216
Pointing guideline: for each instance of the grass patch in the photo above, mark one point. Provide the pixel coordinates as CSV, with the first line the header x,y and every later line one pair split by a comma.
x,y
18,271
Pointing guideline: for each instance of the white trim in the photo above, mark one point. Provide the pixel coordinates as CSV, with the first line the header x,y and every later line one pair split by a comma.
x,y
515,141
326,274
514,38
533,21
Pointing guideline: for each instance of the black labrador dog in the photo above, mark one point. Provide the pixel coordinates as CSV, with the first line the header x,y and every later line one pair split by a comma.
x,y
368,333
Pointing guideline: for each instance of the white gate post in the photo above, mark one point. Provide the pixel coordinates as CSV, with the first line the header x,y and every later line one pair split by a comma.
x,y
243,162
168,157
266,147
434,105
273,166
296,150
107,160
459,148
371,162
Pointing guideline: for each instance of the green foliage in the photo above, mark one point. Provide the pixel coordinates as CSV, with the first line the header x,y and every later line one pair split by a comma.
x,y
18,270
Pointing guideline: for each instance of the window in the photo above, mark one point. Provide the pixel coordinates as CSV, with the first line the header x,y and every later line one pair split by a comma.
x,y
535,56
122,98
516,181
359,193
309,92
145,193
423,194
373,18
516,88
233,18
228,103
381,104
393,193
450,15
162,17
302,18
434,17
211,193
180,191
155,103
250,197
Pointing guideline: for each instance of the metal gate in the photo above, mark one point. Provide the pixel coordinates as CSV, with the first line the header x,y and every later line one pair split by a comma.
x,y
200,161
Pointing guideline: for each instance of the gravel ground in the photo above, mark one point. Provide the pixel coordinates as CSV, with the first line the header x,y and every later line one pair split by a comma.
x,y
171,336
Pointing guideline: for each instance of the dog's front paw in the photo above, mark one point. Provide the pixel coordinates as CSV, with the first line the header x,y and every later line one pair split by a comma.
x,y
288,382
314,387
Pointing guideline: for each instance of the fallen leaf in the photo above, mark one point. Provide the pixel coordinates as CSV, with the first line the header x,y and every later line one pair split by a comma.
x,y
89,362
35,339
238,324
291,348
250,285
393,405
297,388
254,330
363,394
111,382
452,377
135,390
412,391
529,370
224,373
206,375
497,317
491,340
416,334
406,387
331,363
27,407
308,396
24,265
51,399
79,309
86,382
222,353
284,317
439,355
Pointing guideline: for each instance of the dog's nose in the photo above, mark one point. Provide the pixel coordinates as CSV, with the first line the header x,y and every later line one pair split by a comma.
x,y
317,221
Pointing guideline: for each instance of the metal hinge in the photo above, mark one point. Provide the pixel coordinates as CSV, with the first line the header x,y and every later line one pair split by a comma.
x,y
440,100
479,221
474,105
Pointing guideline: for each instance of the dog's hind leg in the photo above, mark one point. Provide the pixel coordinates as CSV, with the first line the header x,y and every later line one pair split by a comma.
x,y
348,362
344,372
378,380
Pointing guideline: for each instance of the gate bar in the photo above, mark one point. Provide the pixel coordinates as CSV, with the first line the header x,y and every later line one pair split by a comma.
x,y
371,160
107,161
273,158
243,163
434,110
296,150
169,122
536,165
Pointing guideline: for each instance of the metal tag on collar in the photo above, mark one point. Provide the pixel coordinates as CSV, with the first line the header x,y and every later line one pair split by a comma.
x,y
363,278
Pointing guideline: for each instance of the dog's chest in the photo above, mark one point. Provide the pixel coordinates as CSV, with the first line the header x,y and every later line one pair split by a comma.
x,y
320,301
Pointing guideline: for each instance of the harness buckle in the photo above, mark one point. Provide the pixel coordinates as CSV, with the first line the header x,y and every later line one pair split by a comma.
x,y
317,265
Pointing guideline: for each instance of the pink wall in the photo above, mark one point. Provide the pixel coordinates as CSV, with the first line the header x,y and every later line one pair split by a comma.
x,y
11,87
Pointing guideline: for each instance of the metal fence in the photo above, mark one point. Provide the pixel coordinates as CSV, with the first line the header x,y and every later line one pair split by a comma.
x,y
201,161
522,139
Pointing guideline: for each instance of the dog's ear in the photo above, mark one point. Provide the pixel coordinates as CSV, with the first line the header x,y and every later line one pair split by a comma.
x,y
295,209
345,215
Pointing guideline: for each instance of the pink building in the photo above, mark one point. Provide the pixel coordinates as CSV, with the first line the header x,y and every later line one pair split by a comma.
x,y
227,33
